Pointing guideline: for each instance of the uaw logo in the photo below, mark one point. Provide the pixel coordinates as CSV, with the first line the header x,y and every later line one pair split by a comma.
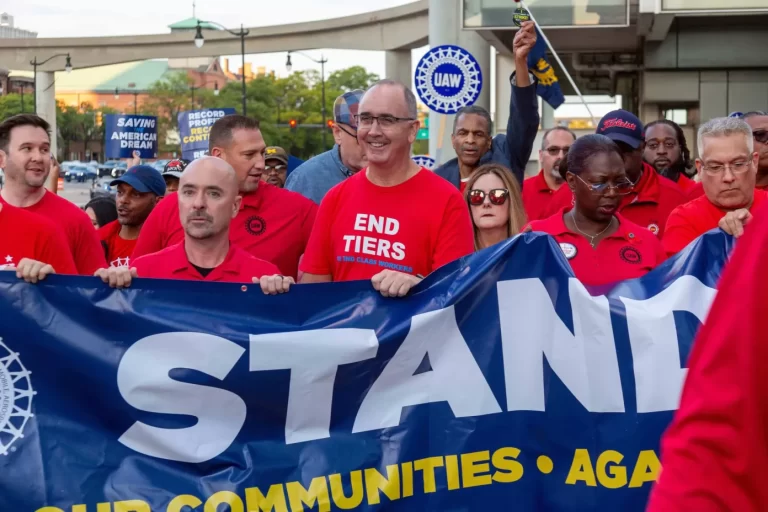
x,y
425,161
15,398
448,78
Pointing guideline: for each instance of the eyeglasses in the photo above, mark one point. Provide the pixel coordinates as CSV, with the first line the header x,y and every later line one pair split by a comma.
x,y
497,196
276,168
738,167
555,150
385,121
761,136
622,188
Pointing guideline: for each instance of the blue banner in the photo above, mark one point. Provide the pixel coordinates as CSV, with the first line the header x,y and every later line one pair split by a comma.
x,y
548,87
194,127
125,134
500,383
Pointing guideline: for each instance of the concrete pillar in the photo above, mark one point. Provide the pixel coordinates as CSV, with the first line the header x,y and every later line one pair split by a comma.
x,y
398,66
547,116
445,27
45,92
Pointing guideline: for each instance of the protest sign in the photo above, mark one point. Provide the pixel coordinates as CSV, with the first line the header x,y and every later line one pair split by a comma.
x,y
125,134
194,127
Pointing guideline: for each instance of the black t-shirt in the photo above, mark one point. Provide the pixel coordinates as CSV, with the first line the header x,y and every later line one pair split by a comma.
x,y
203,271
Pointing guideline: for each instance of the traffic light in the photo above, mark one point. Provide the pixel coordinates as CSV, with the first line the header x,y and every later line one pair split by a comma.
x,y
330,123
292,124
99,119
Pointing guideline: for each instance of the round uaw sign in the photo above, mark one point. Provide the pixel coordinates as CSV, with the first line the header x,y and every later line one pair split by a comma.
x,y
15,398
425,161
447,78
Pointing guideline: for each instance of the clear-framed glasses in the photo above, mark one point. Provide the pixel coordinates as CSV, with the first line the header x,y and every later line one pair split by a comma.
x,y
737,167
622,188
385,120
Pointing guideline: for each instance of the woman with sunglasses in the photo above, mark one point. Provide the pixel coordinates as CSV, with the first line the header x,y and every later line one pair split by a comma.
x,y
601,246
495,205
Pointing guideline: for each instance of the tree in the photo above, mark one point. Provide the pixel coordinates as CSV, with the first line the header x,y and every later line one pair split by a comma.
x,y
78,124
356,77
167,97
10,105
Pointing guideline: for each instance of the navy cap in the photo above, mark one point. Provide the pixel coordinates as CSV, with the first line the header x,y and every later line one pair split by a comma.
x,y
175,167
144,179
622,126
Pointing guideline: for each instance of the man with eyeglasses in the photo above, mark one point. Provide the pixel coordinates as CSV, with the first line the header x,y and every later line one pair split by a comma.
x,y
395,221
539,190
653,197
758,121
315,177
728,169
275,166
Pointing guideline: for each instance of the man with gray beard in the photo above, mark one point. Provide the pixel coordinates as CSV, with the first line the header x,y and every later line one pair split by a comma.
x,y
538,190
208,201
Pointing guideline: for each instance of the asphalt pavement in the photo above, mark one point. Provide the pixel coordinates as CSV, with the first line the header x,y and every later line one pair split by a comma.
x,y
78,193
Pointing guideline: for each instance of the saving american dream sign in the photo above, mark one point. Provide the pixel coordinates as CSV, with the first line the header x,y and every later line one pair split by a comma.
x,y
194,128
500,382
447,78
125,134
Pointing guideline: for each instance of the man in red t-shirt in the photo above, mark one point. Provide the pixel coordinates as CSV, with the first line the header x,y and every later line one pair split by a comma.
x,y
539,190
714,454
666,150
728,170
25,155
138,192
31,245
272,224
393,222
653,197
208,201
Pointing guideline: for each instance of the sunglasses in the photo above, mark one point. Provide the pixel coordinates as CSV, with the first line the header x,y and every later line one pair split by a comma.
x,y
497,196
277,168
761,136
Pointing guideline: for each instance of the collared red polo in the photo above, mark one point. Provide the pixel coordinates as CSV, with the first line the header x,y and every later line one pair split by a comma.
x,y
537,196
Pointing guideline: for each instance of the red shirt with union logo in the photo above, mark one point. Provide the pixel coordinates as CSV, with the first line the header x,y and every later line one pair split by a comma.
x,y
273,224
648,205
414,227
118,249
631,252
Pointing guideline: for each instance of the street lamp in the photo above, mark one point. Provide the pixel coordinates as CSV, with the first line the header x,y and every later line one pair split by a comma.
x,y
322,61
194,88
200,40
34,63
135,97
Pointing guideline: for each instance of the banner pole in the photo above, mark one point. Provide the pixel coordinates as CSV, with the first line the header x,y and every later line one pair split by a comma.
x,y
562,66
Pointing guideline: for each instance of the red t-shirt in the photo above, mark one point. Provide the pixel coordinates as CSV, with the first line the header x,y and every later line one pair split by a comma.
x,y
172,263
648,205
686,184
118,249
273,224
537,196
632,251
26,235
714,455
414,227
691,220
696,191
82,239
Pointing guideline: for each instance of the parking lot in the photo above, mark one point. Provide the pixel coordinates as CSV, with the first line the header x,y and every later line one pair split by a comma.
x,y
78,193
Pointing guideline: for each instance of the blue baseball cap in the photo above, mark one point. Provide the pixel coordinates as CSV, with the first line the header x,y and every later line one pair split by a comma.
x,y
144,179
622,126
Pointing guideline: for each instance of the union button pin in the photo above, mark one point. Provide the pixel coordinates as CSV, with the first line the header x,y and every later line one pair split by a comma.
x,y
520,16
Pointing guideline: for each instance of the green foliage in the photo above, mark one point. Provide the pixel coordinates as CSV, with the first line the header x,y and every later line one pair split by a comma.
x,y
78,124
10,105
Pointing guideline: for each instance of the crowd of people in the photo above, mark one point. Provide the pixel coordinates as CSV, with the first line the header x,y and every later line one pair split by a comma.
x,y
618,202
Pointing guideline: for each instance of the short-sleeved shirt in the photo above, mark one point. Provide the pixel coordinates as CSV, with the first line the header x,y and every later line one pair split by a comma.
x,y
172,263
414,227
630,252
648,205
83,242
691,220
26,235
273,224
537,196
118,249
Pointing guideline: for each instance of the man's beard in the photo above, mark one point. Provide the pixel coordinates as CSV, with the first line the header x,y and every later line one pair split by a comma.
x,y
674,170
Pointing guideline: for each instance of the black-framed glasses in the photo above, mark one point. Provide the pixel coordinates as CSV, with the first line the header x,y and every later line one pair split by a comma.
x,y
385,121
555,150
622,188
497,196
276,168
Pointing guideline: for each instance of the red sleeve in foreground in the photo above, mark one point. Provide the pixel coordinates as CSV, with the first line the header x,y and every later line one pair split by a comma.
x,y
715,453
456,237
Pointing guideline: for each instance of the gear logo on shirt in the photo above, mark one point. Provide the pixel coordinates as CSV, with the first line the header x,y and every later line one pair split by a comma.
x,y
121,262
654,228
16,395
255,225
630,255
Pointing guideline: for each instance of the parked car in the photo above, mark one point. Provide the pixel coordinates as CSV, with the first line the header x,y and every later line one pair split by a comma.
x,y
119,169
101,187
106,168
79,173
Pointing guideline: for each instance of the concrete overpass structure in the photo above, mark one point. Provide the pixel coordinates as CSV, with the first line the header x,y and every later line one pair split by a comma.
x,y
705,57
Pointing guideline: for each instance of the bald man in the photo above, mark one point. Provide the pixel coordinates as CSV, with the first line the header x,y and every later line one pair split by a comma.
x,y
208,201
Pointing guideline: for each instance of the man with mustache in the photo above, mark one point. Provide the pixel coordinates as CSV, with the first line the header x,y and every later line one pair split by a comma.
x,y
728,170
208,201
138,192
666,150
25,156
539,190
272,223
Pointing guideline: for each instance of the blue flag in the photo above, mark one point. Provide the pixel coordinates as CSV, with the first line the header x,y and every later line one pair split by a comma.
x,y
549,86
499,383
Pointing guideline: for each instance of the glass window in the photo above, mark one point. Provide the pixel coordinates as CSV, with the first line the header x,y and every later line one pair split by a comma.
x,y
548,13
712,5
678,115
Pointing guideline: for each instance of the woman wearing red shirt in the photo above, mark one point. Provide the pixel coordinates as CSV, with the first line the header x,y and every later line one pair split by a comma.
x,y
601,246
495,205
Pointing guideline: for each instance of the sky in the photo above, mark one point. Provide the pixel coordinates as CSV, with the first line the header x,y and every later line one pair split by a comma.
x,y
85,18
